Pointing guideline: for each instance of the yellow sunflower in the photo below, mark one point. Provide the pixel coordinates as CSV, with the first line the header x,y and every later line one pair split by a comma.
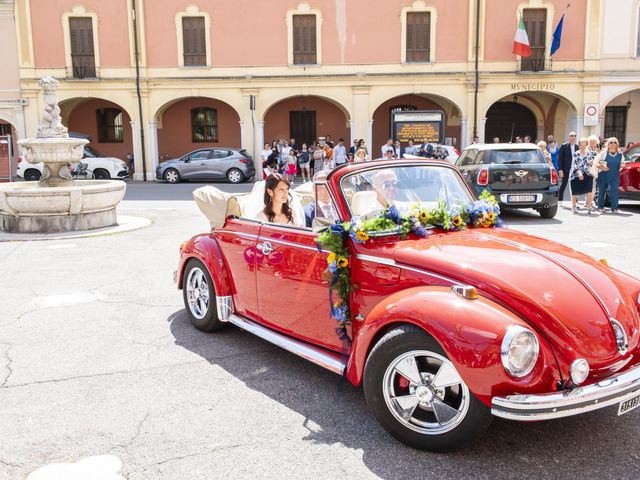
x,y
423,216
342,262
360,235
457,221
491,216
331,257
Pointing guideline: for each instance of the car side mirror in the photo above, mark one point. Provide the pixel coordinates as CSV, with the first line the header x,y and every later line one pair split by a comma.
x,y
186,159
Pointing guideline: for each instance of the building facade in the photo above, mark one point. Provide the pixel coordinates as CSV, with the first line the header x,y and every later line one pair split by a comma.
x,y
242,73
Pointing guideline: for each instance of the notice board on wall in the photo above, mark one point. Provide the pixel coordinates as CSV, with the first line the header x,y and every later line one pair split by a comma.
x,y
418,125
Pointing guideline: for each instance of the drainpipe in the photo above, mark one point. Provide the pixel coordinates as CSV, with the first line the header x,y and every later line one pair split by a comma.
x,y
477,80
137,55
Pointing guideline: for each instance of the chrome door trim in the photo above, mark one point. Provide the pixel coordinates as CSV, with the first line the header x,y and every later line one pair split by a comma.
x,y
266,248
224,307
329,360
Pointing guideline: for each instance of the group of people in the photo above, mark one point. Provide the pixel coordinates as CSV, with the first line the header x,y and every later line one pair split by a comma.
x,y
286,156
425,149
589,165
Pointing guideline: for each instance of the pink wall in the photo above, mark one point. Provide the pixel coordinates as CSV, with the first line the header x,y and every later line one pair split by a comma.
x,y
330,120
382,120
83,120
365,41
48,42
499,41
174,138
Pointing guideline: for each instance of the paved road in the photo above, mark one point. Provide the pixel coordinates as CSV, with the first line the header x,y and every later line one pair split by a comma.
x,y
97,356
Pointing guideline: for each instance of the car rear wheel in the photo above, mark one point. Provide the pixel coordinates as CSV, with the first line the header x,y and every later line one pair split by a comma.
x,y
32,175
171,175
417,395
235,176
199,297
101,174
549,212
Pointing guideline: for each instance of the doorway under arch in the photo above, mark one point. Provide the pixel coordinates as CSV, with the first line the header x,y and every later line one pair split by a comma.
x,y
508,120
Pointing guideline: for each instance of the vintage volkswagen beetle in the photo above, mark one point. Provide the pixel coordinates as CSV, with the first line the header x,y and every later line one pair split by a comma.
x,y
447,330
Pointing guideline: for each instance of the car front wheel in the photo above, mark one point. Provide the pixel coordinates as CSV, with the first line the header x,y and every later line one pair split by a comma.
x,y
171,175
417,395
235,176
100,174
32,175
199,297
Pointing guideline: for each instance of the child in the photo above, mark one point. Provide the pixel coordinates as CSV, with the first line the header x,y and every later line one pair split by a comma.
x,y
291,167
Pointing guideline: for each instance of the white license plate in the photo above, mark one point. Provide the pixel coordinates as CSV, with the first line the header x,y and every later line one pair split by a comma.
x,y
521,198
628,405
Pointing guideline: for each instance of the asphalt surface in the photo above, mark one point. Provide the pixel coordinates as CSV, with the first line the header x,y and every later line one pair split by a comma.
x,y
97,356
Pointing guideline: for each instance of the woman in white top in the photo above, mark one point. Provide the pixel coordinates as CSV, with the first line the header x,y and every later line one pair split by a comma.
x,y
276,202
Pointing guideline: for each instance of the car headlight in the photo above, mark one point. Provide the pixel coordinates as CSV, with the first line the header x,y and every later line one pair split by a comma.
x,y
519,351
579,371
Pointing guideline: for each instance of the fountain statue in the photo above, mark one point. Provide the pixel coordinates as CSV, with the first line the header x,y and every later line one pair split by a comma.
x,y
56,202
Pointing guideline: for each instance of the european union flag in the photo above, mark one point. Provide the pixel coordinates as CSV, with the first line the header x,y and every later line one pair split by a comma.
x,y
557,35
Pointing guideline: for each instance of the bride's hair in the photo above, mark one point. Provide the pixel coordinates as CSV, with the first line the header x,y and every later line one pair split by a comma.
x,y
270,184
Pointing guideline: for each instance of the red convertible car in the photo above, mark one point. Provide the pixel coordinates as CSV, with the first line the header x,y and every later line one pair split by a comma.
x,y
448,329
630,173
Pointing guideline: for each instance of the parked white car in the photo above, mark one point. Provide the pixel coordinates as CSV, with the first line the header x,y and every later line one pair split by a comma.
x,y
98,166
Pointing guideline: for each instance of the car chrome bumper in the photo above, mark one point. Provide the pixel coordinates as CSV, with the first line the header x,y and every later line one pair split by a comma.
x,y
578,400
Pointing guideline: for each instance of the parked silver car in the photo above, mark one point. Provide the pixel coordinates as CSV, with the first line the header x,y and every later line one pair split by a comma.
x,y
216,163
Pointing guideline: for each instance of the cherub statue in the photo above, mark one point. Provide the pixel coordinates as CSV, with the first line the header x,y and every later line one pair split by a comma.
x,y
51,125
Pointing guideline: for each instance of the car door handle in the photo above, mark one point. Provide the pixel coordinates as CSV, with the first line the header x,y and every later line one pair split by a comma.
x,y
265,248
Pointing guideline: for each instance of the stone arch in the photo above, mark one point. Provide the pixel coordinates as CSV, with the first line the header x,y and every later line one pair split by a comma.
x,y
175,134
326,98
381,116
79,114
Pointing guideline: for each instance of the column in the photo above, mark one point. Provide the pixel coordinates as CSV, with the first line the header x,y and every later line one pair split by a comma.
x,y
483,122
153,149
243,139
135,135
257,159
352,131
577,125
372,148
464,127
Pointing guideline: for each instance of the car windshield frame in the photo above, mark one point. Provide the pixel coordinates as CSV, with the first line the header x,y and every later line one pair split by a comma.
x,y
94,152
464,189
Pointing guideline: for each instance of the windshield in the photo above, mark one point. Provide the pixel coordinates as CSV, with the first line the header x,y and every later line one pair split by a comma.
x,y
506,157
369,192
91,153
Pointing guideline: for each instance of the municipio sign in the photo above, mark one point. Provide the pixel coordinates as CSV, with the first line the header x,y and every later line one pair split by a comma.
x,y
591,114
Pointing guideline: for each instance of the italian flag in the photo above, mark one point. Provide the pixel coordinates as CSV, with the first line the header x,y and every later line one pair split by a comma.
x,y
521,42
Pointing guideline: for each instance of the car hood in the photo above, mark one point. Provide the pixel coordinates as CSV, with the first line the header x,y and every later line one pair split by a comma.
x,y
565,295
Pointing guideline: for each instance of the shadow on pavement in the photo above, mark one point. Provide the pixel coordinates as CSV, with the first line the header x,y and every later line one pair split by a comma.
x,y
594,444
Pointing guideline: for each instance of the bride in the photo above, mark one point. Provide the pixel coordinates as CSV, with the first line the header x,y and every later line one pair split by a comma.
x,y
276,203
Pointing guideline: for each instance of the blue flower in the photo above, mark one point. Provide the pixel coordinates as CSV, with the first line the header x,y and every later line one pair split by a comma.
x,y
333,267
392,214
420,231
337,228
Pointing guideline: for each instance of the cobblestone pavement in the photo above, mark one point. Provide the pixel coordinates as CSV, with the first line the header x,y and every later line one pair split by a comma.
x,y
97,357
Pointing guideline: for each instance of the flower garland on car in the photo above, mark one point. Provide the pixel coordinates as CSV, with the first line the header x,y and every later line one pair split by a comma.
x,y
483,213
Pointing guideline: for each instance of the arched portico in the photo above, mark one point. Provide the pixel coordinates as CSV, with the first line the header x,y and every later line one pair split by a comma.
x,y
621,117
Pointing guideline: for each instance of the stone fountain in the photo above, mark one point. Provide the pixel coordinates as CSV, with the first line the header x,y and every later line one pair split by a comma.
x,y
56,202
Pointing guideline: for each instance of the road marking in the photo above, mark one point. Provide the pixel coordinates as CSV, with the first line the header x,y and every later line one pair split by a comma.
x,y
63,245
59,300
103,467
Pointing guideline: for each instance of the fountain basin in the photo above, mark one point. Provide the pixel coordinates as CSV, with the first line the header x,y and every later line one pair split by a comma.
x,y
29,207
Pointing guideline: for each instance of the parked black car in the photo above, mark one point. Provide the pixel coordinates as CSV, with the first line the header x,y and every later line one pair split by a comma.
x,y
518,175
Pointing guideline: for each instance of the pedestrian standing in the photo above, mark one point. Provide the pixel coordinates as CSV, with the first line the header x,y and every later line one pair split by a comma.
x,y
340,153
354,148
362,145
596,151
552,148
304,158
292,168
383,149
318,159
609,176
264,156
581,179
542,145
565,159
361,155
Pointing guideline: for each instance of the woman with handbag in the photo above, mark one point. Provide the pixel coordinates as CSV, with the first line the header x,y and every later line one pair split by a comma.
x,y
581,179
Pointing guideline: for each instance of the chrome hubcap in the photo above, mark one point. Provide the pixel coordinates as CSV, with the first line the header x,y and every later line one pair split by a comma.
x,y
234,177
172,176
425,393
197,293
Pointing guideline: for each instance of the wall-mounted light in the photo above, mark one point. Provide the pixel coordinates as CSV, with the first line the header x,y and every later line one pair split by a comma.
x,y
629,102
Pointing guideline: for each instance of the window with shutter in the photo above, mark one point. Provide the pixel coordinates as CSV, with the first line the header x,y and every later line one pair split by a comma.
x,y
535,23
82,54
418,37
194,42
110,128
204,125
304,40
